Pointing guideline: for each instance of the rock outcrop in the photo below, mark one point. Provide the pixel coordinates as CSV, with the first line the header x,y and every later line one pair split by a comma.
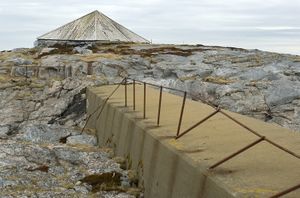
x,y
44,152
42,92
256,83
35,164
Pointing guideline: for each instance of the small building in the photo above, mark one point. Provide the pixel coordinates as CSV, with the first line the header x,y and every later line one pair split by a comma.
x,y
94,27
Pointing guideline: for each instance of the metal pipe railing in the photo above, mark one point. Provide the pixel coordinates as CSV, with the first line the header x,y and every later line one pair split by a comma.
x,y
217,110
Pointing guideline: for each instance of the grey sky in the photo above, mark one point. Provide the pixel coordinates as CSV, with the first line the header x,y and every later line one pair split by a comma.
x,y
272,25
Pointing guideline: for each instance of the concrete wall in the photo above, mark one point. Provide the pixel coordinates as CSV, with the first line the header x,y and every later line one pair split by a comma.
x,y
163,171
179,168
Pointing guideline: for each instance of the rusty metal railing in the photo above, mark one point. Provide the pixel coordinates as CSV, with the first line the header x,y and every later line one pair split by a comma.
x,y
217,110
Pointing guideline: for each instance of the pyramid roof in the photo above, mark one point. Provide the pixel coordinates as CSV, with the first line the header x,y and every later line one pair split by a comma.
x,y
94,26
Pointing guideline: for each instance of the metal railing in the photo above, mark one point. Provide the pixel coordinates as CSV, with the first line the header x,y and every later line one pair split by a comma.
x,y
179,134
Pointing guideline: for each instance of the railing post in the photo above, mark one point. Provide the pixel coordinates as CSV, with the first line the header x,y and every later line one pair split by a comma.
x,y
159,105
144,116
133,91
181,113
125,81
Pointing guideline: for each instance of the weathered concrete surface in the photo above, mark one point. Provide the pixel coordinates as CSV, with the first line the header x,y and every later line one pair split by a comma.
x,y
172,168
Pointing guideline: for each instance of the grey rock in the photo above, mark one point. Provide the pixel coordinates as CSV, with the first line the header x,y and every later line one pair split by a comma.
x,y
57,60
62,66
82,139
23,71
282,92
4,131
253,74
46,170
47,50
82,50
110,71
17,61
20,50
41,133
225,72
51,108
12,113
82,189
110,68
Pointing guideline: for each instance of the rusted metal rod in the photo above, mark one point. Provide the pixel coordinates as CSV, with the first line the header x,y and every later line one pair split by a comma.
x,y
241,124
144,116
125,82
238,152
198,123
259,135
282,148
133,92
159,105
108,97
181,114
286,191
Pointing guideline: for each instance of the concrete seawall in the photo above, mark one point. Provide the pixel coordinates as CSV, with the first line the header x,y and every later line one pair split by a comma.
x,y
179,168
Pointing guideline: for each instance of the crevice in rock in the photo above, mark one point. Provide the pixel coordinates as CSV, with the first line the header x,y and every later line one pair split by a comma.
x,y
63,140
75,110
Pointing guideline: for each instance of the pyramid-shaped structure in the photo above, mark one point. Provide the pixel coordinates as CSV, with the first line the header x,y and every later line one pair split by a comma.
x,y
93,27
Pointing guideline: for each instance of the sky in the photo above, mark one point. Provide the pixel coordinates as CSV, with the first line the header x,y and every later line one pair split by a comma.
x,y
271,25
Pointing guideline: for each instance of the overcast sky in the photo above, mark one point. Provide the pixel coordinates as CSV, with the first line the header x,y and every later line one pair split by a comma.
x,y
272,25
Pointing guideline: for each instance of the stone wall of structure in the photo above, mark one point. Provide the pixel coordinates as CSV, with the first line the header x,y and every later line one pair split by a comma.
x,y
53,43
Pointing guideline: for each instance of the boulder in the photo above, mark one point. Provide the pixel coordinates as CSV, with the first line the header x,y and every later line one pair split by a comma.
x,y
82,139
17,61
282,92
43,133
47,50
